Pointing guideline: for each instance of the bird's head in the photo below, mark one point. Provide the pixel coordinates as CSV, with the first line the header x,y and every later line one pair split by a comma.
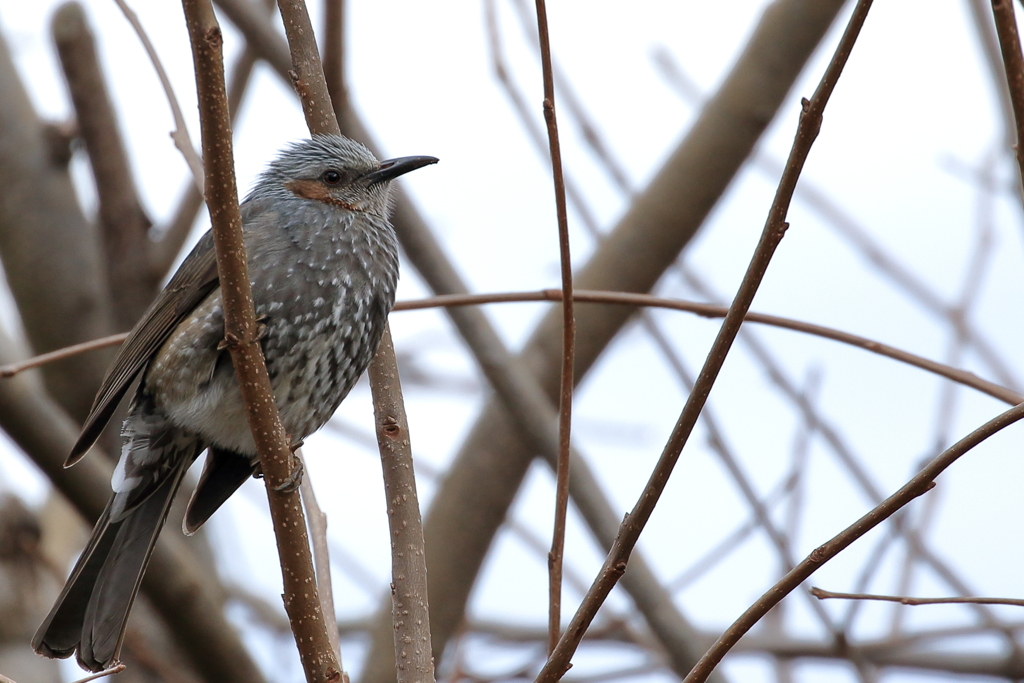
x,y
334,170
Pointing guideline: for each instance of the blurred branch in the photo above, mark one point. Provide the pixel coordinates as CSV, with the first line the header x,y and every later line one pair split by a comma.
x,y
334,53
904,600
123,223
180,133
164,251
51,255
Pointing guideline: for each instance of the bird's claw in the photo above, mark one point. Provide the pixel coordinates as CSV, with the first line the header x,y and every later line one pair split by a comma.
x,y
291,484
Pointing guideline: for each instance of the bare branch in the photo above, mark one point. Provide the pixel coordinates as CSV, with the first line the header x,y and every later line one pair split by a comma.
x,y
1013,62
568,339
123,222
317,521
301,599
775,227
904,600
919,485
414,660
180,133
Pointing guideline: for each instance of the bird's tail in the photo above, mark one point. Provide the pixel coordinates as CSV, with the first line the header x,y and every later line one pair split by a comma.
x,y
92,611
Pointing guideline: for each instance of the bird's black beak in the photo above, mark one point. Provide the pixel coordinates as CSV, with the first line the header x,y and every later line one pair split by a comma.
x,y
392,168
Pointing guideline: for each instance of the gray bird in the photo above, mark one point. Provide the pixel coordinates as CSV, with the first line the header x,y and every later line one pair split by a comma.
x,y
323,261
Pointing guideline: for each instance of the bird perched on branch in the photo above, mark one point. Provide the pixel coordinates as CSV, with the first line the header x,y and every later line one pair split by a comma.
x,y
323,262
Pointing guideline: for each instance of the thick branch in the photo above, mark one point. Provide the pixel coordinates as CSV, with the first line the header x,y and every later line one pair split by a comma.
x,y
122,221
51,255
414,660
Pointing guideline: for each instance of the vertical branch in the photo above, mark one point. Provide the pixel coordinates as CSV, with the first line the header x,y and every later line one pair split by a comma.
x,y
413,649
240,335
414,661
1013,62
123,223
321,557
307,73
568,341
334,54
774,229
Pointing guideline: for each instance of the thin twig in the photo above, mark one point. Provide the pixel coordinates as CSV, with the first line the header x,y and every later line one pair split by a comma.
x,y
116,669
816,199
775,227
917,486
904,600
301,599
12,369
568,340
164,250
317,520
963,377
180,133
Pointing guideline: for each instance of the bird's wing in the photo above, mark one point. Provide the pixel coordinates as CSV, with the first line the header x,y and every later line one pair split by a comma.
x,y
192,282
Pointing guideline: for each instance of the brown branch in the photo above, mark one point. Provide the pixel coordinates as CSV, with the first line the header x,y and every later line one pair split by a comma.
x,y
775,227
413,652
1013,62
904,600
240,333
919,485
48,248
123,223
334,54
12,369
414,661
568,340
663,219
307,74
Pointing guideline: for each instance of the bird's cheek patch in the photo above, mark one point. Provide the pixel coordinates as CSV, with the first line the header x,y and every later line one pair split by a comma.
x,y
311,189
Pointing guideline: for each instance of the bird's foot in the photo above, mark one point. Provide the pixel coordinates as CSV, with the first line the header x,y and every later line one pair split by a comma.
x,y
294,479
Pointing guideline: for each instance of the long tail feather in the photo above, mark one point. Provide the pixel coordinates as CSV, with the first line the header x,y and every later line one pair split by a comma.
x,y
92,611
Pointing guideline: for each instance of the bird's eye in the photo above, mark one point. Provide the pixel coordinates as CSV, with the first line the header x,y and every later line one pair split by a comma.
x,y
331,177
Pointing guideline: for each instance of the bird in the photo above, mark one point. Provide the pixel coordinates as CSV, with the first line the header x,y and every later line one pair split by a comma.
x,y
323,265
